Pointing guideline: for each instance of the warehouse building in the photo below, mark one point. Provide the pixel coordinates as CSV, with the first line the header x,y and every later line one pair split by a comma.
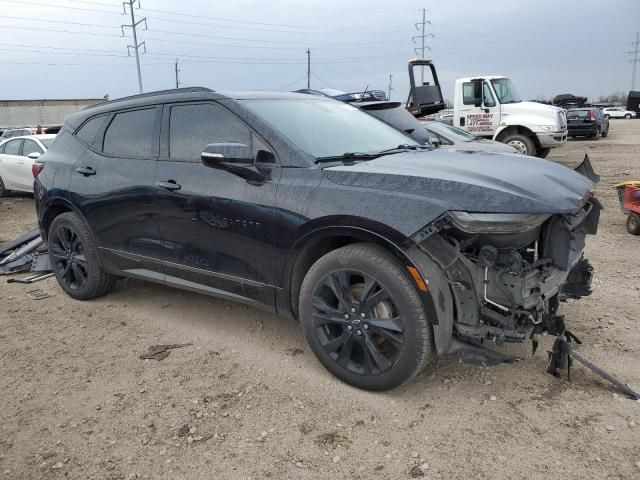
x,y
48,114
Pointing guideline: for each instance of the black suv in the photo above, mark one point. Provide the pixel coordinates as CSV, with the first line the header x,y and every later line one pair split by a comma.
x,y
385,250
589,122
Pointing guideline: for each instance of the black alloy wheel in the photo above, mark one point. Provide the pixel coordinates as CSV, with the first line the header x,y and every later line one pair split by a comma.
x,y
68,257
364,318
357,322
74,258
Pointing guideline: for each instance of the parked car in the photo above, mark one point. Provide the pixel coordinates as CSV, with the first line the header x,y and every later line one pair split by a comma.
x,y
589,122
445,135
618,112
311,208
15,132
17,157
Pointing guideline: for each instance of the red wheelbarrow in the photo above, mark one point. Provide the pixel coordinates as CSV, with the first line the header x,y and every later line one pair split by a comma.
x,y
629,197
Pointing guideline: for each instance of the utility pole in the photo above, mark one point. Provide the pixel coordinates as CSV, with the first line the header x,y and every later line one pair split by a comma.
x,y
635,60
177,71
390,86
136,46
308,69
421,26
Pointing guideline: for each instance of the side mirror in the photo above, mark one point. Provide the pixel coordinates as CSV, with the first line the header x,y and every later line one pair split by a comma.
x,y
435,141
218,154
235,158
34,155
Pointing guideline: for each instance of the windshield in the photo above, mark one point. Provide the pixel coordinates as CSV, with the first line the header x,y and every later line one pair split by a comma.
x,y
505,90
47,142
452,133
327,128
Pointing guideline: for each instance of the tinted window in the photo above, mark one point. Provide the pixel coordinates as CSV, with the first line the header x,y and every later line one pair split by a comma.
x,y
400,118
88,131
30,147
192,127
130,134
12,147
327,128
573,114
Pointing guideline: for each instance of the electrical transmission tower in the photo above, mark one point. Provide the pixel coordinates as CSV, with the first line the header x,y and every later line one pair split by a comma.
x,y
421,27
133,26
635,60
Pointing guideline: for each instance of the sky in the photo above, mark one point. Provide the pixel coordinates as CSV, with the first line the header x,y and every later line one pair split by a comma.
x,y
74,48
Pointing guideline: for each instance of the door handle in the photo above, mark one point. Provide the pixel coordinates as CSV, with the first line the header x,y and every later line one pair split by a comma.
x,y
169,185
86,171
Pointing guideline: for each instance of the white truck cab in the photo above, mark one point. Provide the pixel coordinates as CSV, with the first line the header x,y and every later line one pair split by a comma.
x,y
489,106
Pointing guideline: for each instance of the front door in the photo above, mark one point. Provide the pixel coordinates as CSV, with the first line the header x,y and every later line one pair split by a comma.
x,y
479,113
113,186
217,228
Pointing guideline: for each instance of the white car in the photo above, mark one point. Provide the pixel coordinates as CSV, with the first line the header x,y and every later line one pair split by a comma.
x,y
17,156
618,112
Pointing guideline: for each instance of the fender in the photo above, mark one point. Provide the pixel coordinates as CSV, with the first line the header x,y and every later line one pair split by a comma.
x,y
440,315
502,128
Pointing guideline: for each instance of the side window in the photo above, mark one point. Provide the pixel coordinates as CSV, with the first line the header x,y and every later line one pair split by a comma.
x,y
130,134
30,147
12,147
467,93
192,127
88,131
487,96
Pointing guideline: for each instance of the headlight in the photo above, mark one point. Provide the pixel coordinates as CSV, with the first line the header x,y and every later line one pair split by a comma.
x,y
496,222
551,128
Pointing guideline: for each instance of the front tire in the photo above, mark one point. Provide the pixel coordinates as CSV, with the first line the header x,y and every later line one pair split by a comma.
x,y
74,258
543,152
628,116
364,319
523,144
633,223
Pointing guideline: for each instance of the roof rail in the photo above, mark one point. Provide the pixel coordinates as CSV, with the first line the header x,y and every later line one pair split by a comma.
x,y
153,94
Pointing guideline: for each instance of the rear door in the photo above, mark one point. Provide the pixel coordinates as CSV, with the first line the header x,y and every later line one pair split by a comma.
x,y
10,164
113,185
29,146
217,228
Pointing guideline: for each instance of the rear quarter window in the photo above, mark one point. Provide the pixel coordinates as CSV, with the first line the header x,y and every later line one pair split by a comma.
x,y
88,131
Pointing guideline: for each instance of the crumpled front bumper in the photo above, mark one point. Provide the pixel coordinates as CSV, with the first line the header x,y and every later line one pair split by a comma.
x,y
552,140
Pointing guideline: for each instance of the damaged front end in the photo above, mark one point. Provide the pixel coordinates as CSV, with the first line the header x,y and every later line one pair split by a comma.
x,y
507,273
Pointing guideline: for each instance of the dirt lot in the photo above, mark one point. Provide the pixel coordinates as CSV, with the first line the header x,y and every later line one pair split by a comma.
x,y
77,401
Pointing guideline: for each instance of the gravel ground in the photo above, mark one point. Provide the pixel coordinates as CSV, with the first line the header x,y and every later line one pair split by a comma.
x,y
248,400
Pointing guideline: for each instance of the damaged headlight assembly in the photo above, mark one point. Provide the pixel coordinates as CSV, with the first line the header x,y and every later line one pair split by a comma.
x,y
478,223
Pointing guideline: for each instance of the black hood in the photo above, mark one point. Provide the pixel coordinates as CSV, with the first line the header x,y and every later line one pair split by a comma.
x,y
471,181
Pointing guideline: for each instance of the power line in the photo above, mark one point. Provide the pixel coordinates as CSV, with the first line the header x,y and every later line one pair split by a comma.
x,y
635,60
136,46
422,38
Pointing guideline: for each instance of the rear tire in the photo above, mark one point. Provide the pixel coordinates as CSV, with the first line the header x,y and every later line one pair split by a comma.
x,y
3,190
596,136
364,318
605,134
633,223
74,258
628,116
522,143
607,117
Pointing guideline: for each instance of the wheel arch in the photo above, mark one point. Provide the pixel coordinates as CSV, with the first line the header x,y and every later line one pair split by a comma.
x,y
318,241
502,133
